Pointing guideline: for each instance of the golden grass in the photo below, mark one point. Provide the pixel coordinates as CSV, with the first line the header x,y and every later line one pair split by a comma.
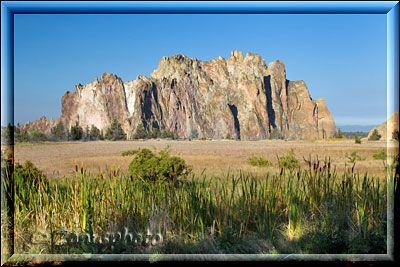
x,y
216,157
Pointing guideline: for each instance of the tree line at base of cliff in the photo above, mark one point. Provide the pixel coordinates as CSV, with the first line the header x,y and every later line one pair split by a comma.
x,y
115,132
76,133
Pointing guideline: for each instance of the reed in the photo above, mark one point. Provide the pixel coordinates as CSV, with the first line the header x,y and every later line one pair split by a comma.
x,y
302,208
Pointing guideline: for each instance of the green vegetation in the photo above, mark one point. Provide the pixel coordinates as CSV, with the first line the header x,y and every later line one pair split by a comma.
x,y
353,157
259,161
395,134
142,133
58,133
76,132
94,133
8,134
36,136
129,152
381,155
150,167
389,167
275,134
114,131
316,211
167,134
288,161
350,135
374,136
15,134
354,135
357,140
30,177
339,134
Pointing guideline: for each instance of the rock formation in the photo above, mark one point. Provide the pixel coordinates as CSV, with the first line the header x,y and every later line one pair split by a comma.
x,y
386,129
238,98
42,125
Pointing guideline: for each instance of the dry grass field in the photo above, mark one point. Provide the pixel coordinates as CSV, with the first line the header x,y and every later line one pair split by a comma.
x,y
211,157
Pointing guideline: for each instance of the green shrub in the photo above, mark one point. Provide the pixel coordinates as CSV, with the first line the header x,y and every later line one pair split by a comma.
x,y
390,167
58,132
155,133
353,157
275,134
140,132
30,174
168,134
259,161
76,132
36,136
357,140
129,152
20,135
288,161
148,166
375,136
94,133
114,132
395,134
381,155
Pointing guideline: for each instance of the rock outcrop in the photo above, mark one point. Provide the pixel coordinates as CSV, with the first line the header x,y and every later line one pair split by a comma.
x,y
42,125
386,128
238,98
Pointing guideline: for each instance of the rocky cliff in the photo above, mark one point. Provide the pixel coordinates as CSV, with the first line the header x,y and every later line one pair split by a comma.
x,y
240,98
386,128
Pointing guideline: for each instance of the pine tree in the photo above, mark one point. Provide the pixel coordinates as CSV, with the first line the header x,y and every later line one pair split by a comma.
x,y
76,132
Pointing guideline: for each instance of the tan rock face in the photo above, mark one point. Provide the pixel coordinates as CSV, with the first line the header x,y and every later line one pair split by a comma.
x,y
42,125
236,98
96,103
386,129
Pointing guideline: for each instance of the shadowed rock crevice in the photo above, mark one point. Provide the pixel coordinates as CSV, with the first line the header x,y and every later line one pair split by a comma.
x,y
147,108
270,110
234,111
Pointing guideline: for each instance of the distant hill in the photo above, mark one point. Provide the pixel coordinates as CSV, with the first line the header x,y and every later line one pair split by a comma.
x,y
356,128
386,128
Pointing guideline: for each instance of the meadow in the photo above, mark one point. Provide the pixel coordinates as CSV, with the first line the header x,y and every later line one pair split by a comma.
x,y
214,158
89,204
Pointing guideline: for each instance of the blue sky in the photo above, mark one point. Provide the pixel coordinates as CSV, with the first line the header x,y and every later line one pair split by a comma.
x,y
342,58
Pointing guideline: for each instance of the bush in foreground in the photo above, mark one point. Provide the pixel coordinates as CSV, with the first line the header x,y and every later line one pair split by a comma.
x,y
151,167
259,161
288,161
